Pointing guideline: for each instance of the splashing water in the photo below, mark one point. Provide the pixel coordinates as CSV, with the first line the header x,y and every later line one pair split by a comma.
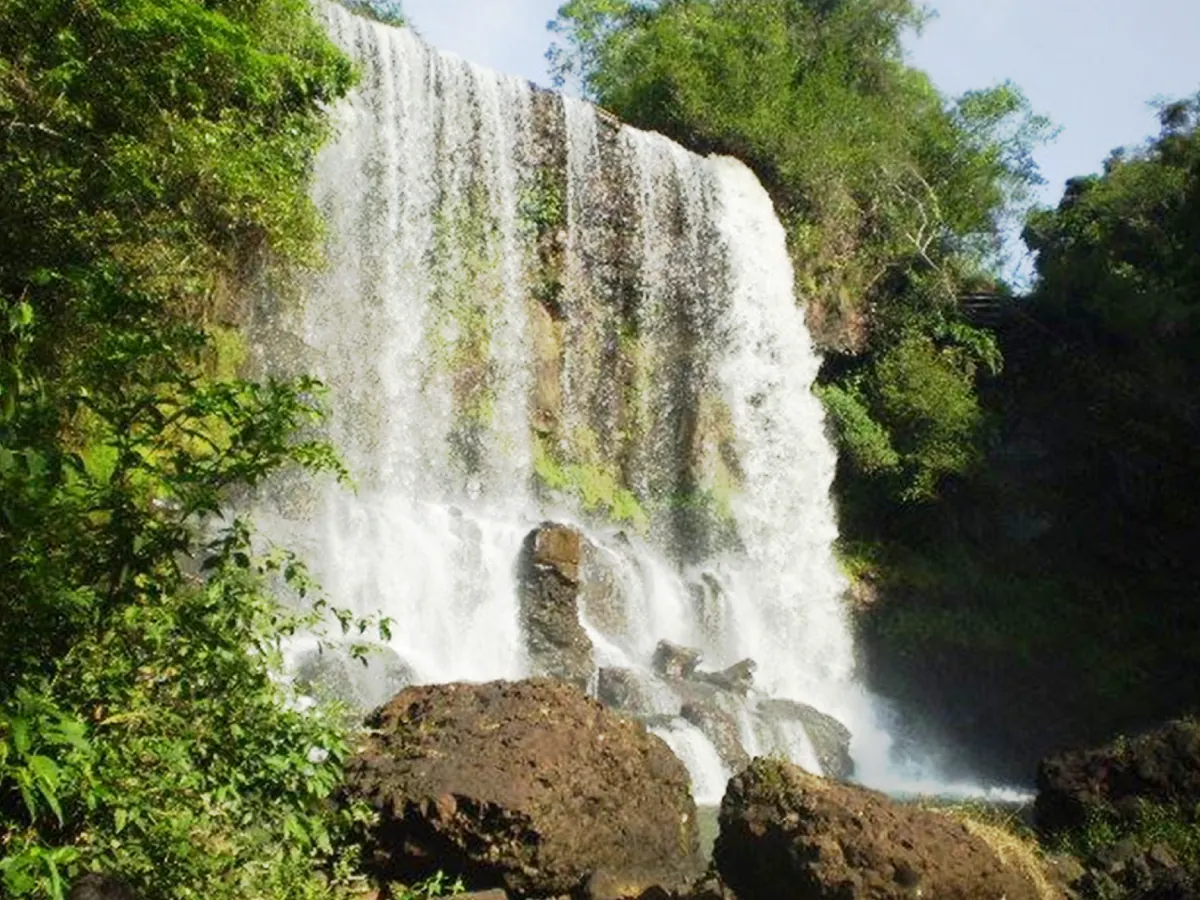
x,y
515,281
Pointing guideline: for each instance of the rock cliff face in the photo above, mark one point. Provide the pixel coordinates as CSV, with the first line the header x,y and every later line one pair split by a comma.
x,y
528,786
532,312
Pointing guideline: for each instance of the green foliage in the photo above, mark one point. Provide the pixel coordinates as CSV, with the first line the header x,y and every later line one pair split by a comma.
x,y
438,885
926,397
152,152
543,206
1065,560
1117,309
1147,825
911,419
597,487
865,441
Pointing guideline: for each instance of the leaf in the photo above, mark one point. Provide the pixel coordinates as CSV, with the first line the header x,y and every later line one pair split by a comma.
x,y
45,769
28,797
56,882
20,736
51,798
20,316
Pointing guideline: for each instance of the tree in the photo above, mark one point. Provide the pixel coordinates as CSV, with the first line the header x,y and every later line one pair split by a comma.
x,y
1118,298
153,153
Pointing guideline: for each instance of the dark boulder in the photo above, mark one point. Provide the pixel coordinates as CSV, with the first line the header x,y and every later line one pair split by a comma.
x,y
548,570
623,689
527,786
829,737
97,886
737,679
673,661
1161,767
788,834
1127,870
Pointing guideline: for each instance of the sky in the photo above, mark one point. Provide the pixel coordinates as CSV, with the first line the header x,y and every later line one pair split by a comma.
x,y
1090,65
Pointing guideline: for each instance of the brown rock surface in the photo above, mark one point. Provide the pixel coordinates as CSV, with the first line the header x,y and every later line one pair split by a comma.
x,y
549,598
788,834
528,786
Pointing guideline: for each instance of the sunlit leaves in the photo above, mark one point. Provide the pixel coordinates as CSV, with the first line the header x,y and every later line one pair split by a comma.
x,y
153,153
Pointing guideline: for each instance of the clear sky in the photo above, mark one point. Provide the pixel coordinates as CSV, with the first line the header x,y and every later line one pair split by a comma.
x,y
1090,65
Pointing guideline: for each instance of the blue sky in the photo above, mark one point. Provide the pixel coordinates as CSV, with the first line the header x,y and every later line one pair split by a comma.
x,y
1090,65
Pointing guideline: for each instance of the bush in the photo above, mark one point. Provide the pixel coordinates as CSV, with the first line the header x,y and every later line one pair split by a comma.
x,y
152,152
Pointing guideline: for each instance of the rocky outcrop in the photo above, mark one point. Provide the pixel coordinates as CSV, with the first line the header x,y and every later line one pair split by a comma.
x,y
829,737
788,834
718,703
549,598
333,672
527,786
673,661
737,679
623,689
1136,800
602,597
719,723
1160,767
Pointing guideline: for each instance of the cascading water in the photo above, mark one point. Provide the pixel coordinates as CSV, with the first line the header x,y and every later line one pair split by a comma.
x,y
530,313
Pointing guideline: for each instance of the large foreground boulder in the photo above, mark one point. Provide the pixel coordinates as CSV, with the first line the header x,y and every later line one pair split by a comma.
x,y
1160,767
527,786
788,834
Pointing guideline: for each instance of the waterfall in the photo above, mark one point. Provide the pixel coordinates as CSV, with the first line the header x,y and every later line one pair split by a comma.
x,y
531,313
